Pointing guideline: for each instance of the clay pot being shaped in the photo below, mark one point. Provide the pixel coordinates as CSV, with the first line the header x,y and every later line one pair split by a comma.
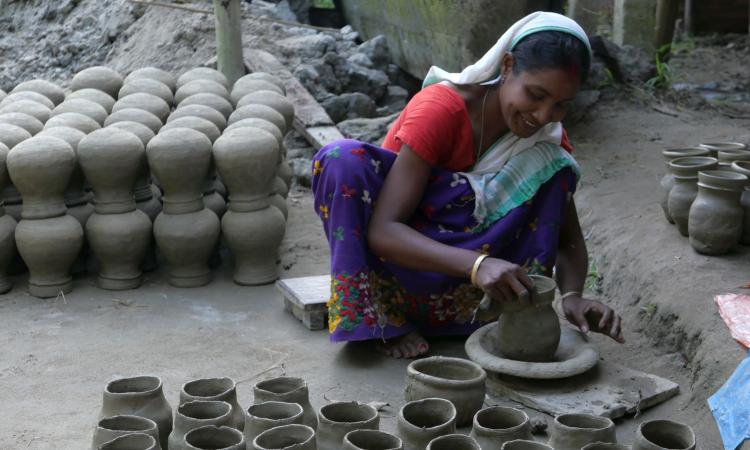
x,y
371,440
337,419
94,95
73,120
286,437
202,111
199,87
244,87
7,230
147,86
23,120
110,428
530,331
131,441
255,111
573,431
454,442
497,425
267,415
153,73
421,421
275,101
144,102
667,180
685,189
290,390
716,214
246,158
135,115
97,77
605,446
196,414
139,396
30,107
523,444
663,435
214,101
215,389
715,147
202,73
211,437
263,76
459,380
81,106
44,87
28,95
743,167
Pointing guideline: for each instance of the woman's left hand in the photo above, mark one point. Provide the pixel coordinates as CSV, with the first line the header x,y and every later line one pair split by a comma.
x,y
593,315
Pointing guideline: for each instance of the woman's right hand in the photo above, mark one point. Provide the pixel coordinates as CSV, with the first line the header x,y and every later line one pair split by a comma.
x,y
504,281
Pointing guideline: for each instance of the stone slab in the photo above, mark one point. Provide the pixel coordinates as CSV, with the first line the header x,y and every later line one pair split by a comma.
x,y
607,390
306,299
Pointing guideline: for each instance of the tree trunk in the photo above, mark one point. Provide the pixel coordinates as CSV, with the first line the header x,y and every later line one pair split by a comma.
x,y
229,39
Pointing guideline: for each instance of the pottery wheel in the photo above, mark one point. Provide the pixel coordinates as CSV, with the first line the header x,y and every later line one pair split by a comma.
x,y
574,355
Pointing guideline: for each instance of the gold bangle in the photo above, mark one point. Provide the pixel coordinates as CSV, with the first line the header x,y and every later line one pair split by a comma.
x,y
475,268
570,294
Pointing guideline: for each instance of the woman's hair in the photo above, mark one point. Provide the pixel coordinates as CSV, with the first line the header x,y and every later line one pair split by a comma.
x,y
552,50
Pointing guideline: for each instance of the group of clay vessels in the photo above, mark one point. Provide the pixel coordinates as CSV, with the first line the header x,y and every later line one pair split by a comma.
x,y
152,170
706,194
442,394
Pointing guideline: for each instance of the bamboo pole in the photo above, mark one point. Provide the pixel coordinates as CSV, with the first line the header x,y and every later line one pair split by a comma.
x,y
228,17
666,15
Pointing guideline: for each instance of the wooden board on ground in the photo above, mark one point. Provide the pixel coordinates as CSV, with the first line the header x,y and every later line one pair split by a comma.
x,y
310,118
608,390
306,298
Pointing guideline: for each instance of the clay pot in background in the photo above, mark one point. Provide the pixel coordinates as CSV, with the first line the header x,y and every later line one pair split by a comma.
x,y
605,446
29,123
143,102
263,76
267,415
7,229
275,101
667,180
716,215
199,87
97,77
743,167
82,106
131,441
135,115
287,389
205,126
245,86
459,380
371,440
214,101
257,111
147,86
337,419
522,444
212,437
685,188
715,147
421,421
95,95
497,425
74,120
44,87
28,95
202,111
573,431
109,428
530,331
139,396
202,73
727,157
215,389
153,73
30,107
286,437
195,414
454,442
663,435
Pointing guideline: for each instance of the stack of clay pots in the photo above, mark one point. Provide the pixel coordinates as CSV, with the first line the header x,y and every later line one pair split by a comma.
x,y
127,145
706,195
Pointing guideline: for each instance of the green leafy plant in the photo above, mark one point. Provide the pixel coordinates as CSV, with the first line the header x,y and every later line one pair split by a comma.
x,y
664,74
648,310
593,278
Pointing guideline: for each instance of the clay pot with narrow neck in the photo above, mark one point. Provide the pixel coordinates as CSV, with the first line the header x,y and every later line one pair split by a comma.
x,y
214,101
195,414
276,101
139,396
258,111
337,419
663,435
28,95
23,120
215,389
287,389
110,428
454,442
715,147
148,86
421,421
10,136
716,215
286,437
246,159
198,87
82,106
459,380
211,437
195,123
73,120
153,73
264,76
371,440
244,87
681,196
30,107
497,425
573,431
202,111
97,77
523,444
7,230
605,446
95,95
143,102
135,115
530,331
131,441
202,73
743,167
267,415
667,180
44,87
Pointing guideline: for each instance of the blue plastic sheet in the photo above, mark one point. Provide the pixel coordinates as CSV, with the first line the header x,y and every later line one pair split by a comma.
x,y
730,406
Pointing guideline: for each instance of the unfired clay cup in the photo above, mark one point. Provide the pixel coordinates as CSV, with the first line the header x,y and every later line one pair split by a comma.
x,y
454,442
523,444
267,415
371,440
573,431
664,434
497,425
421,421
286,437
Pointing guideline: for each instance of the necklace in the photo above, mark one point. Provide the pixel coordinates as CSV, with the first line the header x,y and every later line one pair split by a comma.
x,y
481,127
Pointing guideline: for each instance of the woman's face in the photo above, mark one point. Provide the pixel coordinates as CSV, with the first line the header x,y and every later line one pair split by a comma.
x,y
531,100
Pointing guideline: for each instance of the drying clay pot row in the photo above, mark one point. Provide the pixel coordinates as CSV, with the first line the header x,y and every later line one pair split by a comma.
x,y
122,134
707,195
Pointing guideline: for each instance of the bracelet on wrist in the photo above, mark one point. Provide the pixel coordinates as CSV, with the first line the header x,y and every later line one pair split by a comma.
x,y
570,294
475,268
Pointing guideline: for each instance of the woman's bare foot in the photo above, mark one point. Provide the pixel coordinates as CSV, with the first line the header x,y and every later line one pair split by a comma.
x,y
407,346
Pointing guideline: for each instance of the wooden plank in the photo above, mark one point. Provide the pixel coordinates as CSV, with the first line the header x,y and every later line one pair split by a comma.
x,y
306,299
607,390
320,136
